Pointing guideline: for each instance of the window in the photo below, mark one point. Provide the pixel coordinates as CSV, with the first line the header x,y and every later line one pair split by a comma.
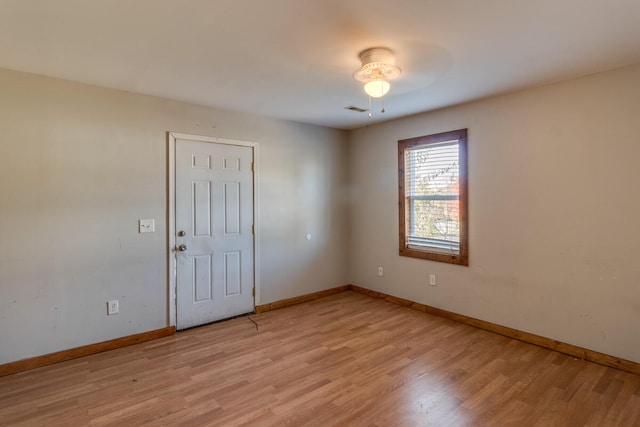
x,y
432,173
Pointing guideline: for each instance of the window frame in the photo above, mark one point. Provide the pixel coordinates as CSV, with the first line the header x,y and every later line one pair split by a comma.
x,y
461,258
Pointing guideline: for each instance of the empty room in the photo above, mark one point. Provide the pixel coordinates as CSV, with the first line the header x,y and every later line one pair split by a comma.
x,y
319,212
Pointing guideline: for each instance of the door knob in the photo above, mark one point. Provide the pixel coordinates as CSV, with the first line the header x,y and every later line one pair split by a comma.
x,y
182,248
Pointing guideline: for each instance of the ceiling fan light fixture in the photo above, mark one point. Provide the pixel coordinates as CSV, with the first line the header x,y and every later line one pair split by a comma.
x,y
377,69
377,88
377,63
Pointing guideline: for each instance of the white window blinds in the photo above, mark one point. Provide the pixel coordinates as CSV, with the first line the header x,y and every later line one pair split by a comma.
x,y
432,192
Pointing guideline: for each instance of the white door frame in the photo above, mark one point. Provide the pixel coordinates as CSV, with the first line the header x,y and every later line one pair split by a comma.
x,y
171,217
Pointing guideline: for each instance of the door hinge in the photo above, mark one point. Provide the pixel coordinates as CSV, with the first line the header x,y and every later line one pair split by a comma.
x,y
253,292
253,229
252,167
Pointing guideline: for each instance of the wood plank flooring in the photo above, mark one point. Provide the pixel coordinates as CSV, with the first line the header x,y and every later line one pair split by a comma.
x,y
344,360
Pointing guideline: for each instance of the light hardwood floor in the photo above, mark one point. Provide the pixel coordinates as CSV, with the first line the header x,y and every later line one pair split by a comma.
x,y
343,360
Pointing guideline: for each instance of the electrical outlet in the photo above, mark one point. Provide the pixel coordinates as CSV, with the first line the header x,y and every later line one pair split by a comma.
x,y
432,279
112,307
380,271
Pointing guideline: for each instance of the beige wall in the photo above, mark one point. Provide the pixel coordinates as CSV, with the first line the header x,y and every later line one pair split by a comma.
x,y
553,212
79,165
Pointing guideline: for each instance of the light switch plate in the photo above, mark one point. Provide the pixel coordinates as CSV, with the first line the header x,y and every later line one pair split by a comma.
x,y
146,225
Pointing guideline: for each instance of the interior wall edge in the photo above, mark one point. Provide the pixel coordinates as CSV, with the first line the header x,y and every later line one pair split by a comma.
x,y
551,344
86,350
300,299
548,343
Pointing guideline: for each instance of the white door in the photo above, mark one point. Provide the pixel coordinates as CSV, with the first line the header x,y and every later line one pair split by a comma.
x,y
214,236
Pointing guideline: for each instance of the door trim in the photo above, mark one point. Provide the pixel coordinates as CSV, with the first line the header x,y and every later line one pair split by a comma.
x,y
171,214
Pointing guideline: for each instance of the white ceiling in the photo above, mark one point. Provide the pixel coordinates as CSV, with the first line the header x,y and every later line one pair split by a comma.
x,y
294,59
